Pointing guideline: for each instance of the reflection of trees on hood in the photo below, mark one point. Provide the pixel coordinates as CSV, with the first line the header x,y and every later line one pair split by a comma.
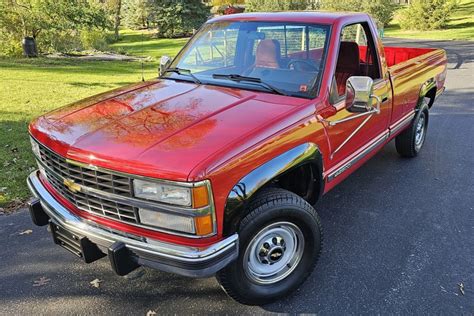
x,y
90,118
139,120
164,120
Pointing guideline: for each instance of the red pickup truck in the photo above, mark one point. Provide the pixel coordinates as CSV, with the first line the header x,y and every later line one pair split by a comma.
x,y
213,168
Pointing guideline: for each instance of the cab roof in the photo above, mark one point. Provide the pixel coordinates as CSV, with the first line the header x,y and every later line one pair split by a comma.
x,y
294,16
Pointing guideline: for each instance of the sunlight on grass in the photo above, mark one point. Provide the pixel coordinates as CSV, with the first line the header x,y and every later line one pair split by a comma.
x,y
460,27
144,44
31,87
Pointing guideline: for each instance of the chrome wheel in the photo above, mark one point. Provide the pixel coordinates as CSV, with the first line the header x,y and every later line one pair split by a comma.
x,y
274,253
420,132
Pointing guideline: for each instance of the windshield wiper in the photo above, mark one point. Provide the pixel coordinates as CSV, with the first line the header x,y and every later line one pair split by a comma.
x,y
182,71
239,78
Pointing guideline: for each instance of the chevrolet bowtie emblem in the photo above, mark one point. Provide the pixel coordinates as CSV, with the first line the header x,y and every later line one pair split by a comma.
x,y
71,185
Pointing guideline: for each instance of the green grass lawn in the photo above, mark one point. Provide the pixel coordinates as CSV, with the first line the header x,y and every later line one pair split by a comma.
x,y
143,43
31,87
460,27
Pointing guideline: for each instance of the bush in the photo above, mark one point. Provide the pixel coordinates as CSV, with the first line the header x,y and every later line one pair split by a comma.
x,y
425,15
10,45
59,41
95,39
341,5
381,10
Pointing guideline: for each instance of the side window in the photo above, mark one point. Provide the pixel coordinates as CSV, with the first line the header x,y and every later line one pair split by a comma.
x,y
357,57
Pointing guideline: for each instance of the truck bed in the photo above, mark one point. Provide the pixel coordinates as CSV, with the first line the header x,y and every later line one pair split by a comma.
x,y
398,55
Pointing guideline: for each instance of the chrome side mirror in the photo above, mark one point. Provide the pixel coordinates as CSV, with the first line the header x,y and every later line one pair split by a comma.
x,y
359,94
165,62
359,99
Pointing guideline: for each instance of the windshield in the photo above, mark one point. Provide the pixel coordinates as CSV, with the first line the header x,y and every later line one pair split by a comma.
x,y
276,57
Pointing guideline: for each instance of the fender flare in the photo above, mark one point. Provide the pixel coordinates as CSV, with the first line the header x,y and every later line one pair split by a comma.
x,y
424,89
250,184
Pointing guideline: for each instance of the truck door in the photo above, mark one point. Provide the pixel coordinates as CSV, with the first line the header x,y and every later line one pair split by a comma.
x,y
357,56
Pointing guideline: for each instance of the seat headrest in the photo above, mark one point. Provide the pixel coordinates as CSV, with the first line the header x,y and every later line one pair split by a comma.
x,y
348,60
268,54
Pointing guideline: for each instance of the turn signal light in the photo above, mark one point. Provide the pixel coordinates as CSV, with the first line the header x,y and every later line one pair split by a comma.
x,y
200,197
203,225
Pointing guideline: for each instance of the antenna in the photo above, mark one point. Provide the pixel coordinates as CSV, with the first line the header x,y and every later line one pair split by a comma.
x,y
143,75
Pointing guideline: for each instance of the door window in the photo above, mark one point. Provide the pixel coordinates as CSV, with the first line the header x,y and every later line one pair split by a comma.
x,y
357,57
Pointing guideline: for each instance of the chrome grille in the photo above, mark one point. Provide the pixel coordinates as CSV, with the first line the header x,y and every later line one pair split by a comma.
x,y
57,169
99,180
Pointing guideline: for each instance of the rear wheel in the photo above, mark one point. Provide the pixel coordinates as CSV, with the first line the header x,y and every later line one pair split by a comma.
x,y
410,141
280,242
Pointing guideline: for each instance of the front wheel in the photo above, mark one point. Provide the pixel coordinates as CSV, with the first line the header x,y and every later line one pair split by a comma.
x,y
280,242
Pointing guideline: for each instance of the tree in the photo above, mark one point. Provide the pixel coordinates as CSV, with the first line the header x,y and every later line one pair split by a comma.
x,y
118,8
114,8
139,14
426,14
176,18
281,5
48,18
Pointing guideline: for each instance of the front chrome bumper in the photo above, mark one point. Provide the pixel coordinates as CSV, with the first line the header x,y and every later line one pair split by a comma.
x,y
188,261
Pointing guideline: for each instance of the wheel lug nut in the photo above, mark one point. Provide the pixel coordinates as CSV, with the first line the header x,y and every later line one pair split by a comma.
x,y
274,241
266,245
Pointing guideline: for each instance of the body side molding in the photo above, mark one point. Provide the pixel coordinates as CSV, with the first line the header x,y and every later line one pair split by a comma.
x,y
259,177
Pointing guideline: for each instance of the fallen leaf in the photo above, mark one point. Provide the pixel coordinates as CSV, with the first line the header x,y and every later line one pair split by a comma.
x,y
26,232
41,281
96,283
150,313
461,288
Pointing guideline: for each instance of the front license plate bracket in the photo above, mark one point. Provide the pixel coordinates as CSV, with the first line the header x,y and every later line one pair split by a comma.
x,y
80,246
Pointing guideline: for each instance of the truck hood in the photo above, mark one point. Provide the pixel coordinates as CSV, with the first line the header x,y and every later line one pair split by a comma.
x,y
161,128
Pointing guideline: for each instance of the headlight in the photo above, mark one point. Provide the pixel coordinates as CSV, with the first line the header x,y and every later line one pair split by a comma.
x,y
35,147
160,192
167,221
198,216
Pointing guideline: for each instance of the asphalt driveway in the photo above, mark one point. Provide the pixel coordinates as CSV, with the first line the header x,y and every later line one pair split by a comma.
x,y
399,238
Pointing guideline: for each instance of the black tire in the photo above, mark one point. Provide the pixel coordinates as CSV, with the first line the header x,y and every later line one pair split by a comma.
x,y
271,208
407,143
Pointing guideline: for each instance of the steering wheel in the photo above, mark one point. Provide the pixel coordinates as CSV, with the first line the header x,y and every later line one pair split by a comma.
x,y
302,65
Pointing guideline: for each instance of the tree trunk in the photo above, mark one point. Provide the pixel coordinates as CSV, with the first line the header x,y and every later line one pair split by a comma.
x,y
117,19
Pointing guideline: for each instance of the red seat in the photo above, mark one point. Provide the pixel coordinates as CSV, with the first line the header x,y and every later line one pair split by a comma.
x,y
348,64
268,54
